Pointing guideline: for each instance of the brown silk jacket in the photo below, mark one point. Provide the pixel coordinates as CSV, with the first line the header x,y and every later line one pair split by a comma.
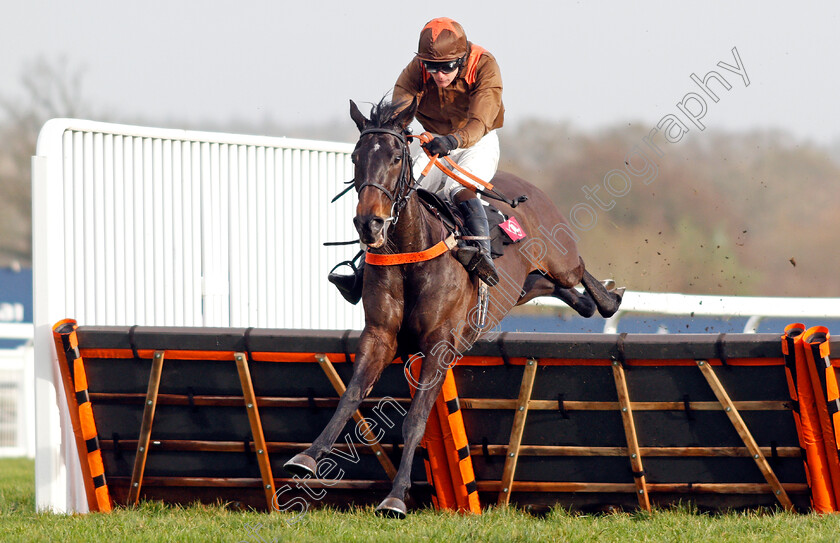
x,y
469,107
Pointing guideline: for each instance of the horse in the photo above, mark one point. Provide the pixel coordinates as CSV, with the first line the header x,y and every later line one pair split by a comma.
x,y
416,307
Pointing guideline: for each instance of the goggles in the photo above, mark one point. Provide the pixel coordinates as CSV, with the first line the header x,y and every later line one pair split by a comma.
x,y
446,67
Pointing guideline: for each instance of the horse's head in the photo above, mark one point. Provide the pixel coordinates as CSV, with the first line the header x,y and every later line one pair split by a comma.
x,y
382,168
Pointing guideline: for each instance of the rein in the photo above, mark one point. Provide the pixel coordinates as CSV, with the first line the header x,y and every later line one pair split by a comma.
x,y
426,137
489,191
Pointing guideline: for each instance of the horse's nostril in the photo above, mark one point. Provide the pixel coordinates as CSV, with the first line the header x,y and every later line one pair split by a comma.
x,y
376,224
369,226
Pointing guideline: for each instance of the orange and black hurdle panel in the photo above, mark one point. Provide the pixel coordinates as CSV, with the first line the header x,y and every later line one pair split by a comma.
x,y
457,447
807,420
832,388
73,377
815,343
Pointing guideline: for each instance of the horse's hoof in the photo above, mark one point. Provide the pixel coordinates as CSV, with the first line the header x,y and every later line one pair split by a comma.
x,y
609,284
619,293
617,296
301,465
392,508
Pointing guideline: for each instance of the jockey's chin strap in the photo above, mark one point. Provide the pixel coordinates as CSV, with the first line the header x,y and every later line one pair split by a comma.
x,y
488,191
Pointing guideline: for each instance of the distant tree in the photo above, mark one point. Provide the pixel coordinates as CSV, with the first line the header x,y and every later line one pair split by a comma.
x,y
728,213
50,89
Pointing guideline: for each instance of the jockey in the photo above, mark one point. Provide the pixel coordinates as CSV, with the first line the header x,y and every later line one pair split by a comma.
x,y
459,88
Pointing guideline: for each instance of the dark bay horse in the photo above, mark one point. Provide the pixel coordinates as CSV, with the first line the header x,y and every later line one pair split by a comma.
x,y
412,308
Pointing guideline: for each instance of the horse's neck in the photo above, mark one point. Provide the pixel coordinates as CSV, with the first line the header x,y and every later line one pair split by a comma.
x,y
414,231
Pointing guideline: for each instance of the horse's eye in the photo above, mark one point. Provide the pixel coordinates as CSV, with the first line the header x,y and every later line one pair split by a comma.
x,y
353,158
396,159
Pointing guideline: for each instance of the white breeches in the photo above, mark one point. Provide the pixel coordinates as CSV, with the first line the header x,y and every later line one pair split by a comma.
x,y
481,160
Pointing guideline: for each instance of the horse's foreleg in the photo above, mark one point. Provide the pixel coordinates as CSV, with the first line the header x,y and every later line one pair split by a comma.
x,y
376,350
414,426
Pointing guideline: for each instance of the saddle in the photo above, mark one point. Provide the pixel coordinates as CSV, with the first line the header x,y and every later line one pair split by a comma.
x,y
453,221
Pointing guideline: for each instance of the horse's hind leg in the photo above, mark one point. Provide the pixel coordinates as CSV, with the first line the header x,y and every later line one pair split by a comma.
x,y
564,275
537,284
582,303
608,301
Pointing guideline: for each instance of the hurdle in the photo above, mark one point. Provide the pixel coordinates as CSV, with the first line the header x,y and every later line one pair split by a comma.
x,y
589,422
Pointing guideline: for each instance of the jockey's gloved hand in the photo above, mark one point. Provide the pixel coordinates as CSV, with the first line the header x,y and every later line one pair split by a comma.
x,y
442,145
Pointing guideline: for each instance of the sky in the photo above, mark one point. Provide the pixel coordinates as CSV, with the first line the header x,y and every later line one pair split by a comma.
x,y
591,64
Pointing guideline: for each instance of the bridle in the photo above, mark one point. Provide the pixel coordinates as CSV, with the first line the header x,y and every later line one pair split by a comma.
x,y
405,182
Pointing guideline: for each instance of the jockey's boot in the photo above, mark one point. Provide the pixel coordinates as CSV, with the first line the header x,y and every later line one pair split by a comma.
x,y
475,221
350,286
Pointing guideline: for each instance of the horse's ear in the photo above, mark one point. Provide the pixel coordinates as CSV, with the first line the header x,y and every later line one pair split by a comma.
x,y
406,115
357,116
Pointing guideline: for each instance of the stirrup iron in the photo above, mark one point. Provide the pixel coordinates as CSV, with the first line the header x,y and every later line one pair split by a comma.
x,y
349,285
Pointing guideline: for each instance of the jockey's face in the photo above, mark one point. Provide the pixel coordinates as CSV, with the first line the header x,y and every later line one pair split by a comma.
x,y
443,80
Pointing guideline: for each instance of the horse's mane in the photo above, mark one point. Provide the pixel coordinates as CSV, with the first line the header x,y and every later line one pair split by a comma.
x,y
382,114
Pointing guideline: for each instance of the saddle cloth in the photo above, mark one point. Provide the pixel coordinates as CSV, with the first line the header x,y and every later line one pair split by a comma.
x,y
453,219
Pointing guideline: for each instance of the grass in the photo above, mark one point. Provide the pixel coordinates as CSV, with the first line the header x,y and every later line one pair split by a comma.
x,y
157,522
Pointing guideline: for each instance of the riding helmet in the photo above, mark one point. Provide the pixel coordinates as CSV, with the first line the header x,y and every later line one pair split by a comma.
x,y
442,40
